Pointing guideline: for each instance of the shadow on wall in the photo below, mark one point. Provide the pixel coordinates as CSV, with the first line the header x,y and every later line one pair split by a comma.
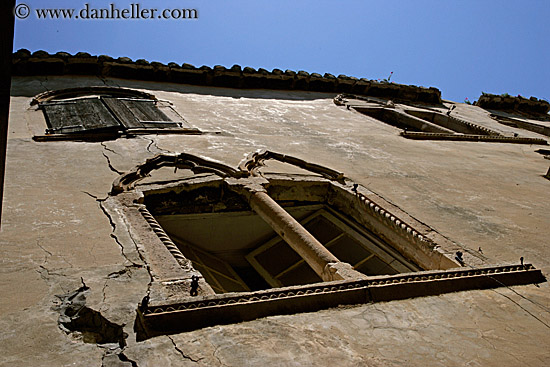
x,y
36,85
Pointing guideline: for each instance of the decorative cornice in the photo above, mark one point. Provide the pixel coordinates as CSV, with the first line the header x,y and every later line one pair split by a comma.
x,y
255,161
483,130
197,164
392,221
469,137
82,63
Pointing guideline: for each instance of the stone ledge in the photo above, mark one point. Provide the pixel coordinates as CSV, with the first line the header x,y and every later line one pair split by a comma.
x,y
237,307
26,63
469,137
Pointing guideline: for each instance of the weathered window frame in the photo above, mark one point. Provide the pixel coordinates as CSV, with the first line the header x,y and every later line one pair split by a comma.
x,y
169,307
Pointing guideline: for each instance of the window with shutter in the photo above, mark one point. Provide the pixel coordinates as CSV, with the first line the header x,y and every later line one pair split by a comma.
x,y
97,113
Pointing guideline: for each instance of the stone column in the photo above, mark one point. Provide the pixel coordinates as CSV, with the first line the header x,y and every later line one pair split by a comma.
x,y
325,264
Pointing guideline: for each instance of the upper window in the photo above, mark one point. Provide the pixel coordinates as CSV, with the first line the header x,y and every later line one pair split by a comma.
x,y
428,123
103,112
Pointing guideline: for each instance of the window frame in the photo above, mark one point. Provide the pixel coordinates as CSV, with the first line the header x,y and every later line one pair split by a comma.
x,y
419,122
168,307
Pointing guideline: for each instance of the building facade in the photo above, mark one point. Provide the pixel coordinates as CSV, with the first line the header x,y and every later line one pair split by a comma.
x,y
172,215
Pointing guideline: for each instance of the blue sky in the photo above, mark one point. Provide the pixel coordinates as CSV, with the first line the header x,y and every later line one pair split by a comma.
x,y
461,47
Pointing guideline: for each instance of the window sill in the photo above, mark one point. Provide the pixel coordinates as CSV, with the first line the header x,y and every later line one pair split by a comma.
x,y
129,133
197,312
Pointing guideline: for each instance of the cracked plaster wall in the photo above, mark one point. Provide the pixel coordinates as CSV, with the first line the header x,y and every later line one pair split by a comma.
x,y
56,235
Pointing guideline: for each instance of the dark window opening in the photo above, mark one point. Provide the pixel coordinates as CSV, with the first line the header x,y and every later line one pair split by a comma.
x,y
394,119
424,123
239,252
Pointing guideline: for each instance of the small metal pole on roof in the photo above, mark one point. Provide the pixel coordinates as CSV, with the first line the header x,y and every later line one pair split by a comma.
x,y
7,21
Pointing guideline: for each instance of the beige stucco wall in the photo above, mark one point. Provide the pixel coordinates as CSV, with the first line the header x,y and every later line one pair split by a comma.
x,y
55,236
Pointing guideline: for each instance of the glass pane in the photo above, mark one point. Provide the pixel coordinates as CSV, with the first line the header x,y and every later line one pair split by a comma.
x,y
278,258
375,266
230,285
302,274
214,263
322,229
348,250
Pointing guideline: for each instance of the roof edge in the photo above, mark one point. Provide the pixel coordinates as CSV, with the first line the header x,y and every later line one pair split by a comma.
x,y
26,63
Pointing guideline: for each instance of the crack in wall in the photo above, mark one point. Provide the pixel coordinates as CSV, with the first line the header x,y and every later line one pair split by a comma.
x,y
523,308
42,83
116,358
152,142
46,274
42,247
103,291
145,299
114,275
49,272
181,352
49,254
218,358
113,228
111,167
114,236
109,149
123,358
93,196
139,254
126,271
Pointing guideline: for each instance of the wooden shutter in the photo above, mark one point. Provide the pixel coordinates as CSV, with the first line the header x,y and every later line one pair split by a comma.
x,y
78,115
139,113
